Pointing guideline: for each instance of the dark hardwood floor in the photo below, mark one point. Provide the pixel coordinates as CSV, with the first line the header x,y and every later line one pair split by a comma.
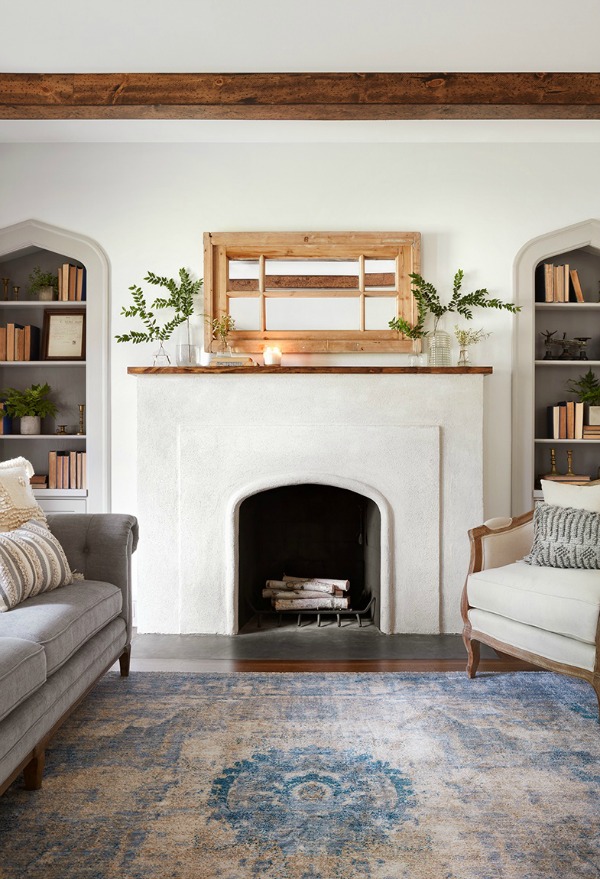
x,y
310,649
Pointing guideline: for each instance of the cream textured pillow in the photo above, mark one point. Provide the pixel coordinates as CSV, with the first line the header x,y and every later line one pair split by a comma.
x,y
579,497
31,561
17,503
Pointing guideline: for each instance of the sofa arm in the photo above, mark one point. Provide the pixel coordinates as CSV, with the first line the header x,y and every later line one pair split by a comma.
x,y
99,545
500,542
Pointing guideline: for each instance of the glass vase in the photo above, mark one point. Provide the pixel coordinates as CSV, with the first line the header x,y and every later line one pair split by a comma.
x,y
438,351
463,357
187,355
417,357
161,358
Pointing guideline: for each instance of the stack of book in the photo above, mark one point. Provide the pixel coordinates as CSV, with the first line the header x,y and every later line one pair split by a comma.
x,y
556,283
18,342
67,470
71,283
565,420
591,431
39,480
219,361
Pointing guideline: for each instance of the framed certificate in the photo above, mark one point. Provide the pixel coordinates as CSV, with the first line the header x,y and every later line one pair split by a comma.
x,y
63,334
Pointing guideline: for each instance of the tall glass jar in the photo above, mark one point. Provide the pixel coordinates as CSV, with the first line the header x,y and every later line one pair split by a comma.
x,y
438,351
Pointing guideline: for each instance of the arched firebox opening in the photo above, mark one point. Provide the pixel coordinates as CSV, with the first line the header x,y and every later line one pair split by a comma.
x,y
308,531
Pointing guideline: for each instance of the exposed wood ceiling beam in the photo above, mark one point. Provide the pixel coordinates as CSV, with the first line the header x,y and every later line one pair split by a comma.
x,y
300,96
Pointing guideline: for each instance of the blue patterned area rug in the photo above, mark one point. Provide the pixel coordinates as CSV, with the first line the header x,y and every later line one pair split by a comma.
x,y
316,776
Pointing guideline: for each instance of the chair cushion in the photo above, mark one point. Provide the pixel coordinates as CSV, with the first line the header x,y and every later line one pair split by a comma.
x,y
63,620
564,537
31,561
22,671
563,601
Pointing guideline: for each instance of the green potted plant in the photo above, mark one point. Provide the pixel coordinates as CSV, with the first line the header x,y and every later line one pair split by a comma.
x,y
429,303
43,285
30,405
587,389
180,299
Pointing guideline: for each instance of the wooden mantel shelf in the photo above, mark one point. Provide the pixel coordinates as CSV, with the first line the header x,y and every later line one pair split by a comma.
x,y
310,370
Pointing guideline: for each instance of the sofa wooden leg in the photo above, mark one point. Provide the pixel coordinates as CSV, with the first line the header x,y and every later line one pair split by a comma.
x,y
473,650
124,660
34,770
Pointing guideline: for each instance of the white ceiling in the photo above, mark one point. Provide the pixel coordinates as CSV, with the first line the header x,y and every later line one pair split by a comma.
x,y
287,35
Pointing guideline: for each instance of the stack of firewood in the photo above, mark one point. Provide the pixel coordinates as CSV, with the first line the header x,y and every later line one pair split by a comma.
x,y
301,593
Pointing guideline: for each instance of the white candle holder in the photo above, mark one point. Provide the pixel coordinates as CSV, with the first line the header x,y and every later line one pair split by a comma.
x,y
272,356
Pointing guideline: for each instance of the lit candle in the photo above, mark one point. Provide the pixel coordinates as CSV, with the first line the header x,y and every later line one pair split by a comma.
x,y
272,356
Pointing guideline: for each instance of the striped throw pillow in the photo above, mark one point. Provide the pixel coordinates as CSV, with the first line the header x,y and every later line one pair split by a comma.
x,y
31,561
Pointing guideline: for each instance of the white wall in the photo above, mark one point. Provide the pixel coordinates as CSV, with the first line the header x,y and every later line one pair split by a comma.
x,y
147,205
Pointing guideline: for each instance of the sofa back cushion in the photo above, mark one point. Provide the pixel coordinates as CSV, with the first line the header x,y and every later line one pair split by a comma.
x,y
565,538
31,561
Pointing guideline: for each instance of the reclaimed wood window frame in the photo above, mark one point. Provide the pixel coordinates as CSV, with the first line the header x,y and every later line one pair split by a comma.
x,y
363,249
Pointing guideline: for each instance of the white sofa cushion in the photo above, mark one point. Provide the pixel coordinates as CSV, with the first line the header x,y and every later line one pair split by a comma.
x,y
569,651
566,602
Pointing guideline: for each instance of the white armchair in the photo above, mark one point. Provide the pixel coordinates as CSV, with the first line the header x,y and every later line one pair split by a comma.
x,y
546,616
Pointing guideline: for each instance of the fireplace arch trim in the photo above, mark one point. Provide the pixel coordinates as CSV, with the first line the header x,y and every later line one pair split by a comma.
x,y
265,484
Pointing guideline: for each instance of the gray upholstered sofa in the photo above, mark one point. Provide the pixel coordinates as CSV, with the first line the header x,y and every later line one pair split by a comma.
x,y
54,647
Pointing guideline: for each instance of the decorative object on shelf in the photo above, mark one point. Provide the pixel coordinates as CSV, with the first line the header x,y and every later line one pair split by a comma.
x,y
587,389
428,302
549,343
5,421
61,430
81,431
221,327
161,358
272,356
16,289
569,476
43,286
569,349
465,338
438,348
5,283
417,356
63,334
181,300
30,405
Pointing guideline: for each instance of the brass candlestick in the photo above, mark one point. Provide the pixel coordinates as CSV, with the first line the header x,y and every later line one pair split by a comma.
x,y
81,431
16,289
570,463
553,471
5,283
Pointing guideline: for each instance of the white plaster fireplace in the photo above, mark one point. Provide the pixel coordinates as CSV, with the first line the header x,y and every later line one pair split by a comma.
x,y
409,441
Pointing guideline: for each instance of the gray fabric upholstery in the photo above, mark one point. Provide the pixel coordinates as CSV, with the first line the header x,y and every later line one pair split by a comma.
x,y
63,620
99,545
31,721
22,672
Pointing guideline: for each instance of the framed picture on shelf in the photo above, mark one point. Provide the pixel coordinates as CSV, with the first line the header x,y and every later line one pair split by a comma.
x,y
63,334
